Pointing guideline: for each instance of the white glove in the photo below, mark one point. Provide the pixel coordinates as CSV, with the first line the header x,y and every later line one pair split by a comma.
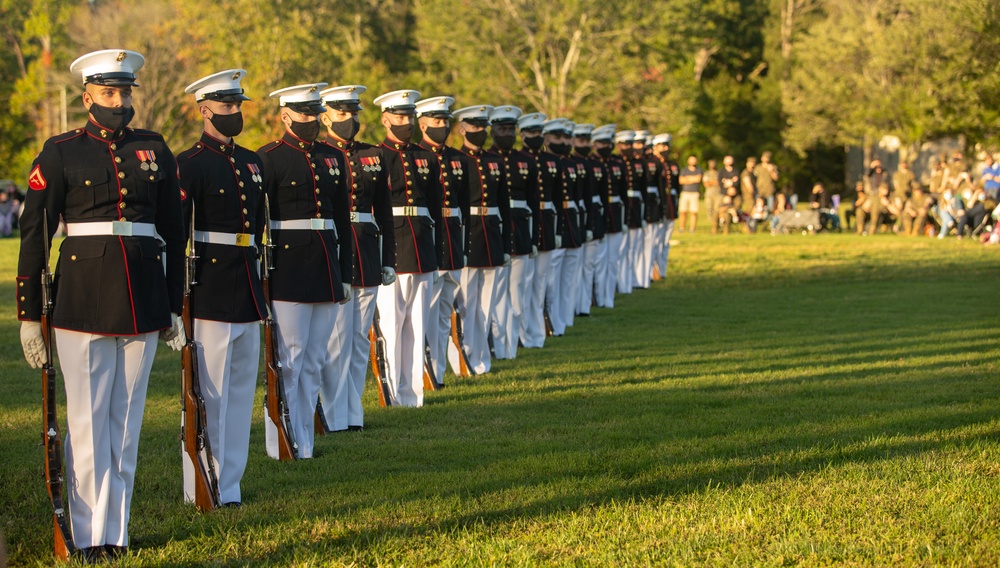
x,y
590,235
465,260
644,223
506,259
388,275
347,294
33,344
534,251
174,336
558,241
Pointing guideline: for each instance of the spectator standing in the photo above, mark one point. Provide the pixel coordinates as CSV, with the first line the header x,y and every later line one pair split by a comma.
x,y
690,178
8,213
713,193
765,176
748,183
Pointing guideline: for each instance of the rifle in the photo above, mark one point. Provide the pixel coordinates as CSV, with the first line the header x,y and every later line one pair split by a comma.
x,y
431,381
380,366
195,445
320,425
548,322
63,538
458,337
275,407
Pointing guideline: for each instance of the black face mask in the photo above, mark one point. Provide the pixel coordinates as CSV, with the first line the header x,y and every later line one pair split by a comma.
x,y
583,150
438,134
604,152
403,132
346,129
476,138
534,142
559,148
307,131
504,142
228,124
112,118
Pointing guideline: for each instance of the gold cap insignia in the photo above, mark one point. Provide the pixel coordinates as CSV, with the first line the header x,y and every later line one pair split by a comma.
x,y
121,57
236,76
312,89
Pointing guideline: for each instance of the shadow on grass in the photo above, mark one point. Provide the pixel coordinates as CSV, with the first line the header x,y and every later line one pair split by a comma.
x,y
626,407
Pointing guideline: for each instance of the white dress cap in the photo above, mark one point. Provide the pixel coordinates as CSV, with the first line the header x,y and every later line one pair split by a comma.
x,y
476,114
439,107
583,130
605,132
112,67
641,135
660,139
625,136
531,121
398,102
505,114
344,97
222,86
557,125
301,98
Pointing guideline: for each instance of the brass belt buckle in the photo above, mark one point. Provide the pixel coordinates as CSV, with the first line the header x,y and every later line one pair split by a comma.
x,y
242,239
317,224
121,228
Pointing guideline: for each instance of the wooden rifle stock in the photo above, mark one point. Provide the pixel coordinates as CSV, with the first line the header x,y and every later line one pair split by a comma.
x,y
319,420
194,434
458,337
380,362
51,440
431,381
274,400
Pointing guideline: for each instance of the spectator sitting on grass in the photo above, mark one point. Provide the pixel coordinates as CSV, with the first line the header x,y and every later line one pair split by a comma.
x,y
915,212
974,213
991,177
950,208
758,214
819,202
780,205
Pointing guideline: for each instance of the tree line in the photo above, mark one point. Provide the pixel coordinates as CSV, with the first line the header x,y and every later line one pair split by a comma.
x,y
803,78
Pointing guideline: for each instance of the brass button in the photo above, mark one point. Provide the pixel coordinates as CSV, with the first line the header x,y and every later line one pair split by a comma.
x,y
317,190
247,224
355,186
21,284
152,178
241,184
317,177
293,183
22,298
157,257
286,247
319,203
309,155
243,197
233,160
22,312
86,182
118,159
221,191
114,146
318,216
121,175
244,211
237,172
73,257
124,191
121,205
214,261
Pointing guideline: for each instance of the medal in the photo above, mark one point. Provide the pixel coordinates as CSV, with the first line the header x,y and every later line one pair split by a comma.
x,y
144,166
153,166
332,172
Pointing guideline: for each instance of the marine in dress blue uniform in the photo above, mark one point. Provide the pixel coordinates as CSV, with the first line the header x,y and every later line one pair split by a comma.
x,y
305,182
223,182
118,284
416,209
563,290
611,190
545,237
668,183
635,191
652,208
487,237
595,249
434,120
374,244
514,286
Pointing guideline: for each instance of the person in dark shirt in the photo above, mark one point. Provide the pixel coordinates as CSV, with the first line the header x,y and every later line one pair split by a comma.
x,y
690,179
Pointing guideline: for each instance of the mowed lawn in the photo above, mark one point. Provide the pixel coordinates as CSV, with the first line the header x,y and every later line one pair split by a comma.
x,y
787,400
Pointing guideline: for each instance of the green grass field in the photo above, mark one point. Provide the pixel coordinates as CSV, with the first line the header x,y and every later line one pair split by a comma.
x,y
789,400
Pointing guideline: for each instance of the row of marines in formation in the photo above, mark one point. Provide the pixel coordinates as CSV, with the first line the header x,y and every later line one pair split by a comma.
x,y
514,242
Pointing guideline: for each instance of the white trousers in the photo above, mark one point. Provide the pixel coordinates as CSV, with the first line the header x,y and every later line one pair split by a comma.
x,y
404,310
343,377
594,254
624,268
227,367
572,270
496,321
607,277
533,324
511,302
445,291
636,243
553,291
644,260
479,286
668,233
303,339
105,379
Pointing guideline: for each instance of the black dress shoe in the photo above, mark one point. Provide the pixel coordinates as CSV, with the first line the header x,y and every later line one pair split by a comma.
x,y
92,554
115,552
232,505
355,428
